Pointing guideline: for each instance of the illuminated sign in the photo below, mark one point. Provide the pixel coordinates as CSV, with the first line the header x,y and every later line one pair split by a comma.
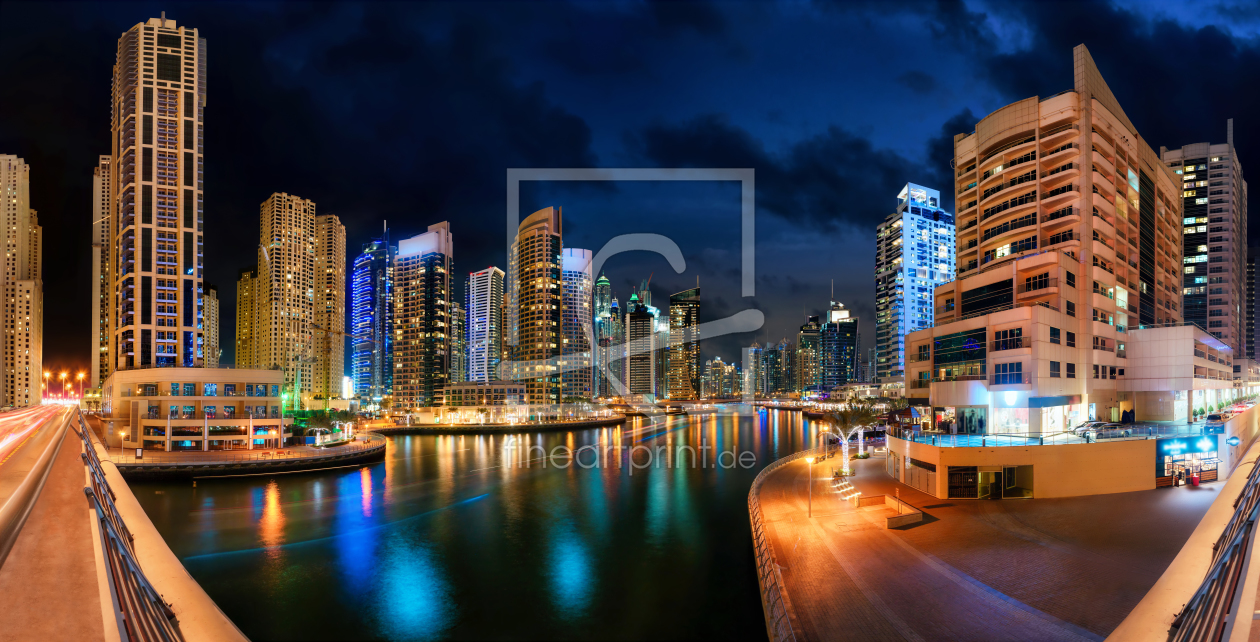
x,y
1205,446
1233,441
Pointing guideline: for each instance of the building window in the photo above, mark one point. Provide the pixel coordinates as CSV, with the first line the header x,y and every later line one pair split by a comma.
x,y
1071,339
1071,371
1069,308
1054,335
1070,279
1007,373
1054,369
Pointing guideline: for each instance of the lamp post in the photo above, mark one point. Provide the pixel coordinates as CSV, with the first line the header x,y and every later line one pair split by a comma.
x,y
80,378
811,486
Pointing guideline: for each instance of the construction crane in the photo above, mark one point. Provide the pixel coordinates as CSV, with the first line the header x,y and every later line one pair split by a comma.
x,y
328,351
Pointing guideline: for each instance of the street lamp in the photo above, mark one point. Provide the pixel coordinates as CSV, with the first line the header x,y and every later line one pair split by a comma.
x,y
80,378
811,486
63,383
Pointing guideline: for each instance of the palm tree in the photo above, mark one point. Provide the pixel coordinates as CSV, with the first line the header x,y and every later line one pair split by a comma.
x,y
854,417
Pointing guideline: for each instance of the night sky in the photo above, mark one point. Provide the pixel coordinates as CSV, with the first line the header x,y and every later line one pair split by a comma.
x,y
411,114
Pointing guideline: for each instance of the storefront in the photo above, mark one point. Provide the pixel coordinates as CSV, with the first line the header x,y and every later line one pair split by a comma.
x,y
990,482
1185,456
971,420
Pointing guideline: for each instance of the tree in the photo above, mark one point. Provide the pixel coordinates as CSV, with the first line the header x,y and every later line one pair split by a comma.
x,y
856,415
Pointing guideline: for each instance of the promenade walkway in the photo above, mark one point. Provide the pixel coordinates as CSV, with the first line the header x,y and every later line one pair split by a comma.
x,y
50,579
1040,569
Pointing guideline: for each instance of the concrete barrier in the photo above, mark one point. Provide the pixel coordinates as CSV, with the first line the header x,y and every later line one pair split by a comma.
x,y
907,514
477,429
869,500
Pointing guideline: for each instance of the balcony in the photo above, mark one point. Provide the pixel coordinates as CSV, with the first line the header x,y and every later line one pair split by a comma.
x,y
1036,285
1008,344
919,383
978,377
1009,378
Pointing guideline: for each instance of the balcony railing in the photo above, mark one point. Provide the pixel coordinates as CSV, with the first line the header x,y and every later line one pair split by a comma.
x,y
1009,344
1036,284
978,377
919,383
1008,378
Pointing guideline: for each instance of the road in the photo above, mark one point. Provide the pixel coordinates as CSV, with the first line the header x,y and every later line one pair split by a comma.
x,y
24,434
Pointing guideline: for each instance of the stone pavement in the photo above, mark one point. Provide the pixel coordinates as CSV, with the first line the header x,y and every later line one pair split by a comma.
x,y
1032,569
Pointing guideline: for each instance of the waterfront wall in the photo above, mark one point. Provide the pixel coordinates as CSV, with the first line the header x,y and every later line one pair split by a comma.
x,y
200,619
781,622
172,468
449,429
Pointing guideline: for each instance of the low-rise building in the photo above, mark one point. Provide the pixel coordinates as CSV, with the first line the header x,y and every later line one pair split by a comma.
x,y
177,409
485,393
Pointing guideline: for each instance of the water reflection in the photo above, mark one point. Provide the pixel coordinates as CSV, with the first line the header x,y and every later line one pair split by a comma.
x,y
493,536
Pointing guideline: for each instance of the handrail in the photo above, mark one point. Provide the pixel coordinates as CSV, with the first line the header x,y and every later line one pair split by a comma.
x,y
140,612
774,599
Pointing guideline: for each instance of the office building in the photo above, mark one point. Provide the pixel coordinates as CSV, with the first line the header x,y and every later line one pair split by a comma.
x,y
156,187
483,295
640,376
330,309
246,318
210,326
684,345
1067,303
838,347
102,306
1214,237
422,298
533,305
914,254
372,320
23,307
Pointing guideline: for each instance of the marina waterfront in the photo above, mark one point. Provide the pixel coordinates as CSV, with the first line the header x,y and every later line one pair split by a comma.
x,y
644,536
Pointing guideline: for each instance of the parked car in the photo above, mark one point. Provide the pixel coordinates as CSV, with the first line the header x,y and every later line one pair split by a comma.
x,y
1215,419
1087,427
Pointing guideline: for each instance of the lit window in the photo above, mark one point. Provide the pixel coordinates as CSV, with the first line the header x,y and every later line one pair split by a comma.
x,y
1188,177
1188,193
1200,201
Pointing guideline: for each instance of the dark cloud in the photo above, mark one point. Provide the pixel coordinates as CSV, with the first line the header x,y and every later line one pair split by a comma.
x,y
918,82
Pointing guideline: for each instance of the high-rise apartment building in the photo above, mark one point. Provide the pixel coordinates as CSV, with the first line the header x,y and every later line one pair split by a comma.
x,y
285,292
372,320
1250,305
838,347
576,321
808,355
533,305
23,306
612,350
246,318
210,326
1067,301
483,295
422,317
102,306
458,343
1214,237
914,254
684,344
330,308
156,189
754,370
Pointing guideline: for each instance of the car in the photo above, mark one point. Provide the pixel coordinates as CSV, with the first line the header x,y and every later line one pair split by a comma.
x,y
1215,419
1088,426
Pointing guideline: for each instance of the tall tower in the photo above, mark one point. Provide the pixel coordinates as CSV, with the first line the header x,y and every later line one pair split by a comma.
x,y
156,193
577,321
1214,237
330,307
23,306
600,358
246,318
808,352
483,294
458,342
101,280
422,294
838,344
684,344
640,363
285,297
533,306
914,254
210,327
372,320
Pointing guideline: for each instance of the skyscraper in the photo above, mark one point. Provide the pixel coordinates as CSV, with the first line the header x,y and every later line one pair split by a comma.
x,y
372,320
458,343
640,364
246,318
156,190
577,321
422,298
533,305
210,326
330,307
102,337
914,254
23,306
684,344
612,350
838,347
284,298
483,294
1250,305
1214,237
808,356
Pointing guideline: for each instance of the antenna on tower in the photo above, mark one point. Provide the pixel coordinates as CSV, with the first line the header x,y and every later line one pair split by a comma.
x,y
163,19
833,289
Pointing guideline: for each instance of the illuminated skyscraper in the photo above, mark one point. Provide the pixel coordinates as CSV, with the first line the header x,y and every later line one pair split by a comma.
x,y
808,356
23,305
284,304
372,320
210,326
422,317
102,336
838,347
156,190
684,344
483,294
246,318
640,364
533,305
577,321
330,307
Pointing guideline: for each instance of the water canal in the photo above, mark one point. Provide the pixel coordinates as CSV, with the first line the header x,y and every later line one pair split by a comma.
x,y
456,537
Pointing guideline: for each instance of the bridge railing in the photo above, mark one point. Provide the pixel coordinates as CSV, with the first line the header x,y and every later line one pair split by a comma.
x,y
141,613
774,599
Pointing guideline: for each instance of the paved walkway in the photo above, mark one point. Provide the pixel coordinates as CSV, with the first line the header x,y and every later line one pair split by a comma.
x,y
49,580
1050,569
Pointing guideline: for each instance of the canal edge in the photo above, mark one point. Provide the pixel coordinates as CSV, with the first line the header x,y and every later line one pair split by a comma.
x,y
781,620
